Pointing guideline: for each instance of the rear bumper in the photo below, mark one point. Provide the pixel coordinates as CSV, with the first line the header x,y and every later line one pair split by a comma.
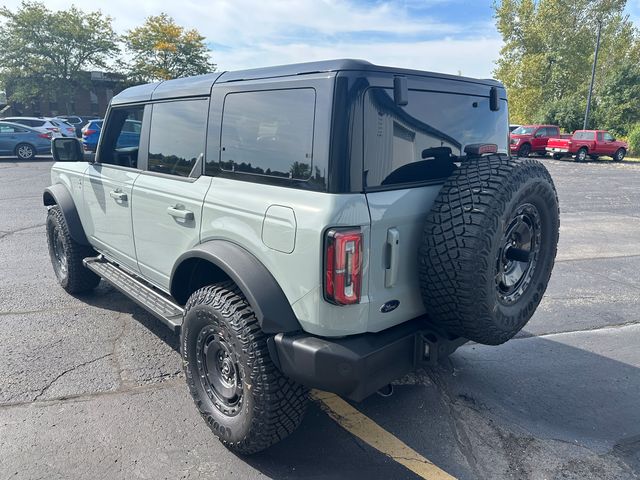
x,y
557,150
357,366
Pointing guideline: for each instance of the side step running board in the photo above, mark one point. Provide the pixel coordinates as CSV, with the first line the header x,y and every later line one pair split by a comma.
x,y
138,290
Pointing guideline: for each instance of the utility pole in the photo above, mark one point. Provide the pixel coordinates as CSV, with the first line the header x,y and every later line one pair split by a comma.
x,y
593,77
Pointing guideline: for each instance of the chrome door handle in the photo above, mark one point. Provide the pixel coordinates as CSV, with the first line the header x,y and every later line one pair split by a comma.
x,y
180,213
118,195
393,244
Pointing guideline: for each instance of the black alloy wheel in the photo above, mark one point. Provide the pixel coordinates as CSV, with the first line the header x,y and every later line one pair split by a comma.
x,y
517,258
218,371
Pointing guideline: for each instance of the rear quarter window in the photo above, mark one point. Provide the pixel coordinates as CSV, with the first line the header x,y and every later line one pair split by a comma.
x,y
268,136
395,137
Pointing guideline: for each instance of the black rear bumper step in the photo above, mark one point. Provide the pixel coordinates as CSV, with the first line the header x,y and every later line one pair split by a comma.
x,y
156,302
357,366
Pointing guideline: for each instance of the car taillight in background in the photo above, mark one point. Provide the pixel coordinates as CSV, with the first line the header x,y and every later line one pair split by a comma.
x,y
53,129
88,132
45,135
343,266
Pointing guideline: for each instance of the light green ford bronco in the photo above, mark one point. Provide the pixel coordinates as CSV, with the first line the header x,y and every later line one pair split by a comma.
x,y
328,225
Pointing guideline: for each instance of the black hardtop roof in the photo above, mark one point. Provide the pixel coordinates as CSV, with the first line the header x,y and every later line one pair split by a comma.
x,y
200,85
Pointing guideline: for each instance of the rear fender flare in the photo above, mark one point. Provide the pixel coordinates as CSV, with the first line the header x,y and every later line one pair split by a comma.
x,y
60,196
262,291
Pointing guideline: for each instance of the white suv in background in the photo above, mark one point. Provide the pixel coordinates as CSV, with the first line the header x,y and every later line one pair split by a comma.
x,y
54,126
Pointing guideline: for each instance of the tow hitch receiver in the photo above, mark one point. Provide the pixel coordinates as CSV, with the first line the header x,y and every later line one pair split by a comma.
x,y
433,347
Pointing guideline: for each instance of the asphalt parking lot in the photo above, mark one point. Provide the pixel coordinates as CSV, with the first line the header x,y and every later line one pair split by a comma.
x,y
92,387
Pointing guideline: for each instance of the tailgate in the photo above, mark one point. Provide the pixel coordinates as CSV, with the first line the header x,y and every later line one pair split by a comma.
x,y
558,144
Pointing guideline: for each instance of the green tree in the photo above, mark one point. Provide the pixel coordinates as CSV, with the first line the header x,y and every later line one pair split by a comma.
x,y
618,104
546,59
162,50
45,53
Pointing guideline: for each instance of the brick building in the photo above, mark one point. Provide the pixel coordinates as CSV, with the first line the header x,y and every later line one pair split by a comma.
x,y
90,101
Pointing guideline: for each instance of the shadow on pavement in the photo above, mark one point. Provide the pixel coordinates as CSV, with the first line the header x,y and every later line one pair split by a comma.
x,y
108,298
530,389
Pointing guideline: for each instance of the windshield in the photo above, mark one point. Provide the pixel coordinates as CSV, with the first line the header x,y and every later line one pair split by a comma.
x,y
523,130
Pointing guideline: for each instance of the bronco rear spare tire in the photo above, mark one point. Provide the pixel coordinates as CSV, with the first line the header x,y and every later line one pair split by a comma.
x,y
488,248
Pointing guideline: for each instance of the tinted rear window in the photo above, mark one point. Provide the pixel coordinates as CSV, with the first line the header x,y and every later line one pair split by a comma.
x,y
397,138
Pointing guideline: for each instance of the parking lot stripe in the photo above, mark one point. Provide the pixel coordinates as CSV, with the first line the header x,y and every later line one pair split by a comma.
x,y
374,435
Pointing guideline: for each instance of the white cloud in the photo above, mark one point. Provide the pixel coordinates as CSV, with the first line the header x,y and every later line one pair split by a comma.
x,y
258,32
473,57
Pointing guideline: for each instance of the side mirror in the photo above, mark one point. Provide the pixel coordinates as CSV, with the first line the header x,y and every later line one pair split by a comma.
x,y
66,149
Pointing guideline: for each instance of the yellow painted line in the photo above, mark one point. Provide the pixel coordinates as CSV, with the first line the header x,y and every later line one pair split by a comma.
x,y
374,435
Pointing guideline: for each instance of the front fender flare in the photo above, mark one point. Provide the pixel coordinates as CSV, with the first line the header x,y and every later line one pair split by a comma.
x,y
59,195
262,291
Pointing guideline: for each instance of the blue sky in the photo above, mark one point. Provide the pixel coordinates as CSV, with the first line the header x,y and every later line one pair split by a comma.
x,y
449,36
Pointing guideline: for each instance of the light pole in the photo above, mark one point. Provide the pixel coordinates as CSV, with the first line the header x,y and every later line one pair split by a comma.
x,y
593,77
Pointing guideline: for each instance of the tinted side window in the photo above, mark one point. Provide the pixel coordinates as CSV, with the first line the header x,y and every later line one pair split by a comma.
x,y
176,141
542,132
11,129
414,143
608,137
118,146
269,133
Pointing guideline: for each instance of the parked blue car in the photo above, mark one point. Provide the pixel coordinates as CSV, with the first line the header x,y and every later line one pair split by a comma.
x,y
23,142
129,137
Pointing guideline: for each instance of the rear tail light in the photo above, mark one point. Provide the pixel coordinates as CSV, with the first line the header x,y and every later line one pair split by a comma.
x,y
343,266
53,129
88,132
45,135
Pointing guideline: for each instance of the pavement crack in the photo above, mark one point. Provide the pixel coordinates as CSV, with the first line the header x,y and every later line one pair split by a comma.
x,y
108,393
11,232
465,447
69,370
114,352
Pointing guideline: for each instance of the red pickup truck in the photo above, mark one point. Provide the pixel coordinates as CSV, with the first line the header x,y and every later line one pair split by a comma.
x,y
585,143
528,139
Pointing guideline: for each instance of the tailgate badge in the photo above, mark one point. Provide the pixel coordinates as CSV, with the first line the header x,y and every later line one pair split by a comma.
x,y
390,306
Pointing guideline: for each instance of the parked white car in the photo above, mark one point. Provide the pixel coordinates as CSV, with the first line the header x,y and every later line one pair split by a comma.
x,y
44,125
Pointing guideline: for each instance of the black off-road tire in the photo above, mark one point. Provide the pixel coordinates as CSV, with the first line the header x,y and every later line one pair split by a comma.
x,y
269,406
463,249
66,255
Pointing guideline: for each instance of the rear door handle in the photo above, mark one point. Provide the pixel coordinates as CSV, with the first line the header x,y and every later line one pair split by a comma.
x,y
393,245
180,213
118,195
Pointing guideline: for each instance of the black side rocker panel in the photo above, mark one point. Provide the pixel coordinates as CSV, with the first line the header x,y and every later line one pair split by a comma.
x,y
268,301
59,195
